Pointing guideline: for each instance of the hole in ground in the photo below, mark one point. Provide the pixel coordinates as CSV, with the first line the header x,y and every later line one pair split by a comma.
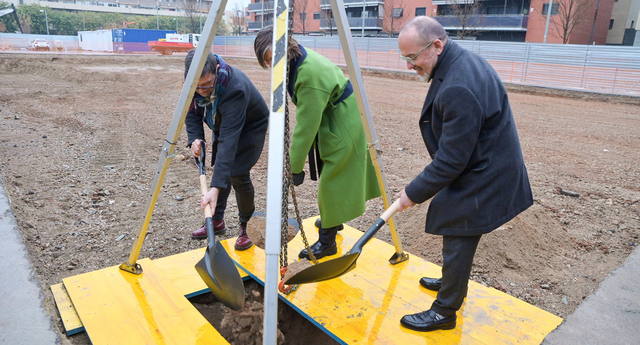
x,y
245,327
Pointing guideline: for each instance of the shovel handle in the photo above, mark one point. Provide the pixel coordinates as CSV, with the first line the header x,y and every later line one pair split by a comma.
x,y
390,211
357,247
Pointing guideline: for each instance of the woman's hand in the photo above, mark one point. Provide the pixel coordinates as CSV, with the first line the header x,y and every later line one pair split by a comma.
x,y
211,198
195,148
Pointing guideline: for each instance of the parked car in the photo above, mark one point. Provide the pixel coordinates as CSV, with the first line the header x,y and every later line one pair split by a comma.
x,y
40,44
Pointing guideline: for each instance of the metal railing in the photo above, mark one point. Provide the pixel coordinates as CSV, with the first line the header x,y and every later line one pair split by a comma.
x,y
603,69
354,23
506,21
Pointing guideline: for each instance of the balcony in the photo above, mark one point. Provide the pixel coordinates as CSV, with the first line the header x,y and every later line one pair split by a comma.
x,y
326,4
509,22
268,7
354,23
258,25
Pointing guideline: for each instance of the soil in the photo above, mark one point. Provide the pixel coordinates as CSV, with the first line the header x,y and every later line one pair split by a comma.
x,y
256,230
80,138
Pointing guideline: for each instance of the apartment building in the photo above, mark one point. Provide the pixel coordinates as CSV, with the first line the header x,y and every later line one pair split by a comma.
x,y
496,20
623,26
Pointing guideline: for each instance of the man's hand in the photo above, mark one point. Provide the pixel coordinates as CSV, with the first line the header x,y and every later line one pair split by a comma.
x,y
298,178
404,201
195,148
211,198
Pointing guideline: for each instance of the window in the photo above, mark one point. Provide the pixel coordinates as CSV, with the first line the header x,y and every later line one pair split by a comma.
x,y
554,9
316,15
421,11
397,12
303,17
611,24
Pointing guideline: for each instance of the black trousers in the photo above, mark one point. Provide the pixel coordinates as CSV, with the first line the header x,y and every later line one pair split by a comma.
x,y
244,196
457,259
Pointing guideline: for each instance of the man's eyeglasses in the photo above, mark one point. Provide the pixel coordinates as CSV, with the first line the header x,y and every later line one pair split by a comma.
x,y
411,60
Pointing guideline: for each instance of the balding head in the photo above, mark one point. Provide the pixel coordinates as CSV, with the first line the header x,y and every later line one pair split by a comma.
x,y
427,28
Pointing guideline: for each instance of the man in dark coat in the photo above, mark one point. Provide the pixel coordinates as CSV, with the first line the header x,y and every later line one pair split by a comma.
x,y
477,176
234,110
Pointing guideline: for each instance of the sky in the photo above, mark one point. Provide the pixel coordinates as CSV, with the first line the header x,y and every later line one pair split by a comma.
x,y
241,4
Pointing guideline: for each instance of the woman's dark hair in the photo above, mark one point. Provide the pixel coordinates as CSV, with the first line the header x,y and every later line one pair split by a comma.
x,y
209,66
262,45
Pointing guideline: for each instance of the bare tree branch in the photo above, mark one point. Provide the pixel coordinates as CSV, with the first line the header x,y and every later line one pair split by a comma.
x,y
469,16
300,14
571,14
394,11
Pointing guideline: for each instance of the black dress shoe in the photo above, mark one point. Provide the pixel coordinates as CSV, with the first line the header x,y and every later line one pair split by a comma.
x,y
318,225
432,284
319,250
428,321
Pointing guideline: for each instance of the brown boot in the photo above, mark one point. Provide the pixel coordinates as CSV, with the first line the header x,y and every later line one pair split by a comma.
x,y
219,228
243,242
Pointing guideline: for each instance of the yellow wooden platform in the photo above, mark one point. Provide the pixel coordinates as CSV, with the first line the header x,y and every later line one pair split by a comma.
x,y
179,269
362,307
118,307
365,305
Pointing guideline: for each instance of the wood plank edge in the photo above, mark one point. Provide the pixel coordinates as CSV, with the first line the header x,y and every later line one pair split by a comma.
x,y
63,301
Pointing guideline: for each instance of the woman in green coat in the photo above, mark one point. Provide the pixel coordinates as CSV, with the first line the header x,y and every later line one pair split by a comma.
x,y
327,120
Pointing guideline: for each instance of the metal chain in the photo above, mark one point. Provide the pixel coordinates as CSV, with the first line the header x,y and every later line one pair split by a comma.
x,y
288,185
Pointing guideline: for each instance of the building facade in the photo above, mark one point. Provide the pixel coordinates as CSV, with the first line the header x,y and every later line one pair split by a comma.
x,y
623,25
495,20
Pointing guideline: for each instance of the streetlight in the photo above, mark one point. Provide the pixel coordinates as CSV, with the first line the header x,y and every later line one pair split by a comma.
x,y
46,19
176,20
546,28
157,17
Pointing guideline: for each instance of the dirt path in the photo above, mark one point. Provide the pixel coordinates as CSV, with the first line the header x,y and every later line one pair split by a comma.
x,y
80,139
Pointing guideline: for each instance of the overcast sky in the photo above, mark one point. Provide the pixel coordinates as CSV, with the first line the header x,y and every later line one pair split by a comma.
x,y
241,4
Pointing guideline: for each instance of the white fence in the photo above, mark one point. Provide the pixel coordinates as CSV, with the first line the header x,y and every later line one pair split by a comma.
x,y
603,69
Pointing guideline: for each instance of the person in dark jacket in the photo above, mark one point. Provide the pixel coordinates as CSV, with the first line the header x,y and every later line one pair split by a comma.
x,y
231,106
477,176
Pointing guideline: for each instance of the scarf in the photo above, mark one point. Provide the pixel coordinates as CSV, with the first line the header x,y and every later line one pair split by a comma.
x,y
210,104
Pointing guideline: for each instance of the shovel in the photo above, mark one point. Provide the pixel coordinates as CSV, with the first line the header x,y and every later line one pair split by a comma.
x,y
336,267
216,268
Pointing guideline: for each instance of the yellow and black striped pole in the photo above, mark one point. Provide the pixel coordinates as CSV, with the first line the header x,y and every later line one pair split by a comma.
x,y
275,168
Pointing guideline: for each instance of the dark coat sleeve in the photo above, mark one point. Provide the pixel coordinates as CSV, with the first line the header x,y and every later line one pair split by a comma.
x,y
194,125
462,119
232,109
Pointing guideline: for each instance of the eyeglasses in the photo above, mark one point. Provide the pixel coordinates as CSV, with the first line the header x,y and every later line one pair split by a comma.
x,y
411,60
206,87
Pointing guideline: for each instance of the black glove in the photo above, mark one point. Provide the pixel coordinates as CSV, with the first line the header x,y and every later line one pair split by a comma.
x,y
298,178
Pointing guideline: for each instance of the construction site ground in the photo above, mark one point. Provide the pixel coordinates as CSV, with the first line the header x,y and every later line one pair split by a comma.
x,y
81,137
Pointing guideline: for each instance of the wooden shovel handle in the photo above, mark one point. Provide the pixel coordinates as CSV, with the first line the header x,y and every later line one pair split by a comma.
x,y
391,210
204,190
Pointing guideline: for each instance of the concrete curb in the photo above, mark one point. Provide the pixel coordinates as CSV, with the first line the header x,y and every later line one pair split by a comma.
x,y
23,319
609,316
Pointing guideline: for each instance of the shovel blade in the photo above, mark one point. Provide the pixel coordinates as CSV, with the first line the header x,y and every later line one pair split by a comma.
x,y
325,270
219,272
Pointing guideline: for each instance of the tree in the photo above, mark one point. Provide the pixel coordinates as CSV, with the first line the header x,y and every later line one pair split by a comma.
x,y
192,15
394,16
469,18
237,20
570,14
8,21
300,13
